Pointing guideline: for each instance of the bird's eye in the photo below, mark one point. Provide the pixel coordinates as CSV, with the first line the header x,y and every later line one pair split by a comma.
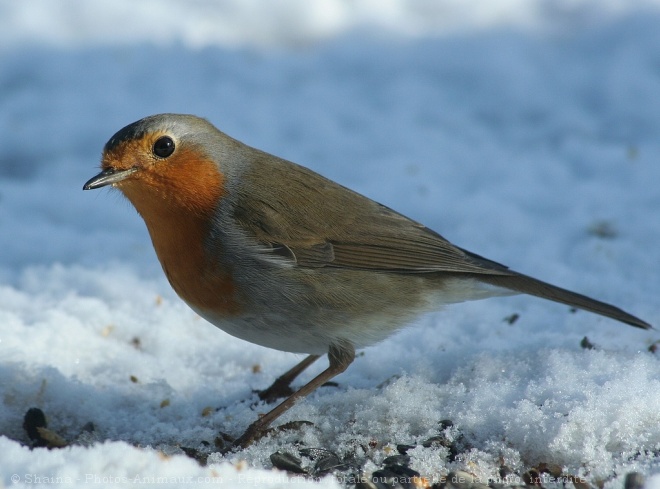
x,y
163,147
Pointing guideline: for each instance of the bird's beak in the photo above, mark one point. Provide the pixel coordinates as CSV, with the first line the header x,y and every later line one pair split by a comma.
x,y
109,176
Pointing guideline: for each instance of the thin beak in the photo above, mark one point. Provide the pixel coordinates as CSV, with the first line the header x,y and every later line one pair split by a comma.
x,y
109,176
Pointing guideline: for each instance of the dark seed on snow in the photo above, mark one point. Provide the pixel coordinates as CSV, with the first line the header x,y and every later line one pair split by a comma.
x,y
403,449
402,470
436,441
634,480
512,318
287,461
397,460
35,418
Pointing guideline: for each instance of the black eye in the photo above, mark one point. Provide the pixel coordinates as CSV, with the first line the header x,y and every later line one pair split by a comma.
x,y
163,147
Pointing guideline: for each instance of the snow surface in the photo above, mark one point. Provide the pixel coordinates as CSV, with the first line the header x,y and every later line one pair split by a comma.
x,y
524,130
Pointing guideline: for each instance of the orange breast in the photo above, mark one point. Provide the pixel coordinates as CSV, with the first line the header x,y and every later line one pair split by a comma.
x,y
198,278
177,200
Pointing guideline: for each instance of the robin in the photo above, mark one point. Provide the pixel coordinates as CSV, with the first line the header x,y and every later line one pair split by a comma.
x,y
275,254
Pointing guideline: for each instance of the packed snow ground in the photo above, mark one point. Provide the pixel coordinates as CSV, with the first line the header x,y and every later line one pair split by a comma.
x,y
528,133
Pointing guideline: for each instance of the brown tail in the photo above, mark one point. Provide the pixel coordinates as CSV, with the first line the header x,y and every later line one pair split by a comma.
x,y
529,285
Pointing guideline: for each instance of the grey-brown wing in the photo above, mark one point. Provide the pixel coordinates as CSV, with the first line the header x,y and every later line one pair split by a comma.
x,y
319,223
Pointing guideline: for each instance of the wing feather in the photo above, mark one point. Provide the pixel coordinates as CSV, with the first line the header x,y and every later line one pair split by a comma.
x,y
323,224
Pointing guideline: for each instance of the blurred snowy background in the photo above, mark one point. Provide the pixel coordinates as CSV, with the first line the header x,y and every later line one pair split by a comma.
x,y
527,131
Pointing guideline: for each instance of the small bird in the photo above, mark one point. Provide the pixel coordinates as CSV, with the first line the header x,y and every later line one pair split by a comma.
x,y
275,254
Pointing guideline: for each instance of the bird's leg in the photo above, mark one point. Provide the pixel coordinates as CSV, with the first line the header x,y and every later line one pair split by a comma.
x,y
282,385
340,356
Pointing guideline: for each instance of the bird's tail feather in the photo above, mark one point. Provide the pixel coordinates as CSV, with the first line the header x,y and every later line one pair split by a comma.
x,y
528,285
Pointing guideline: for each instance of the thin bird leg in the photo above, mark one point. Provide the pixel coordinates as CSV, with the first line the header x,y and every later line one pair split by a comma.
x,y
282,386
339,356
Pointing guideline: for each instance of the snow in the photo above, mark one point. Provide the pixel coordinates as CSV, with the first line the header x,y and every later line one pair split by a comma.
x,y
525,131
